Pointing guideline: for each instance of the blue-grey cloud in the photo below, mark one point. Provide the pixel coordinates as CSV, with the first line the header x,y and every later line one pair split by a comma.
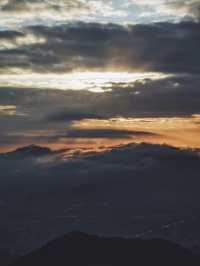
x,y
105,133
70,115
162,47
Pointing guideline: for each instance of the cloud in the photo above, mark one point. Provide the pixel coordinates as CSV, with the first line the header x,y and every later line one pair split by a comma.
x,y
34,116
10,34
7,110
161,47
70,115
171,96
22,12
105,133
183,8
50,12
174,9
137,172
15,40
144,153
67,136
41,6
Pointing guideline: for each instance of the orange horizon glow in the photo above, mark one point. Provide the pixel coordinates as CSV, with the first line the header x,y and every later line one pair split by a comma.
x,y
180,132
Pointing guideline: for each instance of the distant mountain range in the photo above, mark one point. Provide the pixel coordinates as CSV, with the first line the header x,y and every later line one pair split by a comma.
x,y
78,249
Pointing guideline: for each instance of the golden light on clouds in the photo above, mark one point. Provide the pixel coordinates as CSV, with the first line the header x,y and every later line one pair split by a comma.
x,y
182,132
175,131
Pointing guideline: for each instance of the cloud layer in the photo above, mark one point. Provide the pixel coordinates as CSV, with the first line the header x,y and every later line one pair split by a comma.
x,y
16,12
162,47
32,115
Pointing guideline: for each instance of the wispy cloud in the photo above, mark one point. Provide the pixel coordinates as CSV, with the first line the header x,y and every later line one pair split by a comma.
x,y
17,12
170,9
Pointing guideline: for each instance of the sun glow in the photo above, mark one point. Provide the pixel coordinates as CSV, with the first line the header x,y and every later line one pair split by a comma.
x,y
92,81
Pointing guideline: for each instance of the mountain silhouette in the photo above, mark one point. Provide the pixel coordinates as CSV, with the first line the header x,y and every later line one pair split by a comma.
x,y
78,249
27,151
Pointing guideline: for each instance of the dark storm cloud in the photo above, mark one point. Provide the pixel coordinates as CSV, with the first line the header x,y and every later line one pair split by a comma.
x,y
166,97
162,47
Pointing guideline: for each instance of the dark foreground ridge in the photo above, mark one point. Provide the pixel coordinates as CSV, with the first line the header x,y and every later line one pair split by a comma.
x,y
78,249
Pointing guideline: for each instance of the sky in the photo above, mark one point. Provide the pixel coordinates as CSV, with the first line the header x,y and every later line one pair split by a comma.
x,y
99,120
91,75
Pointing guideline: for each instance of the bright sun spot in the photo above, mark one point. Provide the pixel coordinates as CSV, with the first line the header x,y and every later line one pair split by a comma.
x,y
92,81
